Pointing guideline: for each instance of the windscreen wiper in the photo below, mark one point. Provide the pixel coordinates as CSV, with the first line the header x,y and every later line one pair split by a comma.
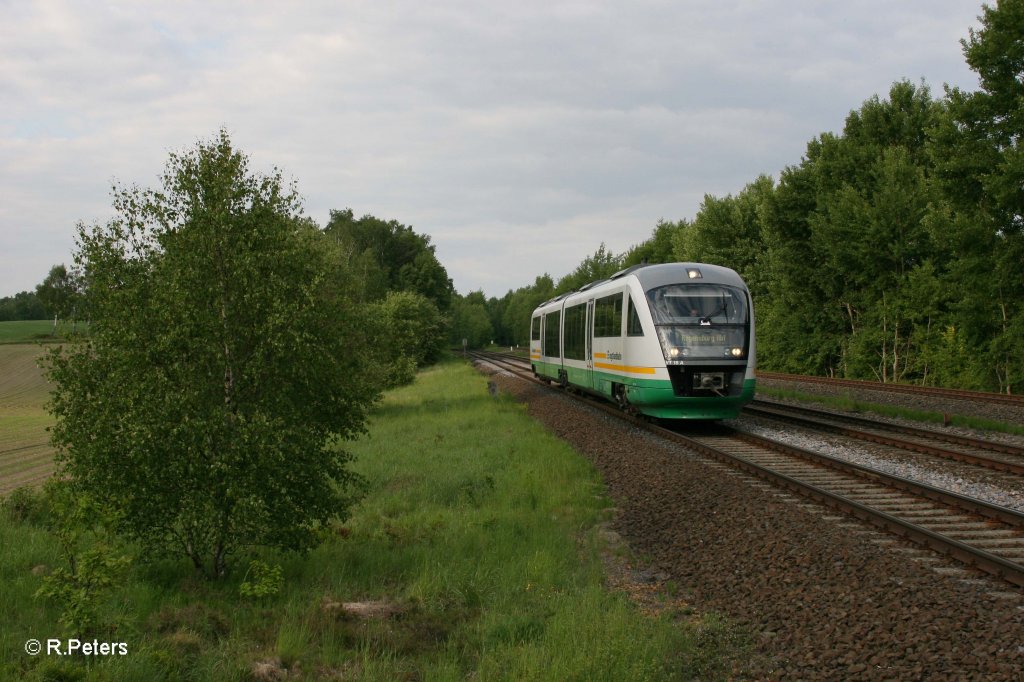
x,y
706,320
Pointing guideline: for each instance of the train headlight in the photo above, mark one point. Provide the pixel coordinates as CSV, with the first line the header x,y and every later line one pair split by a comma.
x,y
736,352
674,352
694,273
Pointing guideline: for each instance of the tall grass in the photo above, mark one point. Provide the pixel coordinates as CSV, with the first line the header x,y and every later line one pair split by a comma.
x,y
475,554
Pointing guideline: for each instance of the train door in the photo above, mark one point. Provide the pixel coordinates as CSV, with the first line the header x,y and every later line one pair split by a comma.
x,y
590,344
543,325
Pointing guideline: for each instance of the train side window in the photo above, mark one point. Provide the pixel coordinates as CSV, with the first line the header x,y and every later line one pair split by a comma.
x,y
535,329
608,316
550,342
633,327
574,343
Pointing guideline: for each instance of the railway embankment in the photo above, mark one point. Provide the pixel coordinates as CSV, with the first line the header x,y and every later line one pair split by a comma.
x,y
822,596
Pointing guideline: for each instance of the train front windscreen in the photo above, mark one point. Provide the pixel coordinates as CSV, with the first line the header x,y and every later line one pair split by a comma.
x,y
701,322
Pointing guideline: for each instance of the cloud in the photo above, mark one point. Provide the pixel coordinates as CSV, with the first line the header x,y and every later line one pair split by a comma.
x,y
518,135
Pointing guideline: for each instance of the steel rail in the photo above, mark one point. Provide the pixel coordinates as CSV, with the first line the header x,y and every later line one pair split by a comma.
x,y
973,556
968,504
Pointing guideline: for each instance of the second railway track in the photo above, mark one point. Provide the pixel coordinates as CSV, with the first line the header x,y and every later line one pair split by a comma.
x,y
985,453
956,394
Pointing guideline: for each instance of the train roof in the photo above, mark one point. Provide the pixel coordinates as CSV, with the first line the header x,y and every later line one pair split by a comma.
x,y
661,274
652,276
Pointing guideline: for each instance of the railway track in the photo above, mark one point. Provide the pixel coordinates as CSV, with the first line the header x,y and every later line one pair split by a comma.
x,y
979,534
975,396
989,454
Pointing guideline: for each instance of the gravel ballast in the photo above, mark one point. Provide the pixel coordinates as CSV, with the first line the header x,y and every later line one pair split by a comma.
x,y
820,597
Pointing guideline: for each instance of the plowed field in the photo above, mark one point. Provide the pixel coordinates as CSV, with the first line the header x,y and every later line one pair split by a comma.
x,y
25,455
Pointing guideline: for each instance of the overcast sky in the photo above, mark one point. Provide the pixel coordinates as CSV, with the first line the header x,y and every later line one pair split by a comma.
x,y
519,134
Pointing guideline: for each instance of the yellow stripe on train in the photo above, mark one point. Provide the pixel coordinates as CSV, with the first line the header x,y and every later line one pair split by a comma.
x,y
626,369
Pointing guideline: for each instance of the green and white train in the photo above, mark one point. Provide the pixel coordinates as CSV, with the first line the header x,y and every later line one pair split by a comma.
x,y
674,341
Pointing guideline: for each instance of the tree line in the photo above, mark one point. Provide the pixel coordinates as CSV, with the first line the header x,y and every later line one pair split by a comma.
x,y
893,251
24,305
58,295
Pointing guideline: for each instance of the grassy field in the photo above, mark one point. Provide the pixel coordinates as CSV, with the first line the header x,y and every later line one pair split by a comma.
x,y
25,456
24,331
476,554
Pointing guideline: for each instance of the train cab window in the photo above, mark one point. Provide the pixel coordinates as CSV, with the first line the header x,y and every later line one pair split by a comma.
x,y
633,326
608,316
701,321
693,304
535,329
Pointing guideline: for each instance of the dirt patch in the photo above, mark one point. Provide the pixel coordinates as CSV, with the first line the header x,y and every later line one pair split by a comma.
x,y
388,627
362,609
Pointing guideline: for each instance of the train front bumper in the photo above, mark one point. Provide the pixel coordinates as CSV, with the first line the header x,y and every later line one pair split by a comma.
x,y
660,400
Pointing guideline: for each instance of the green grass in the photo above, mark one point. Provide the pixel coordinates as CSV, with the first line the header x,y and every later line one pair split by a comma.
x,y
852,405
523,351
478,539
24,331
38,331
